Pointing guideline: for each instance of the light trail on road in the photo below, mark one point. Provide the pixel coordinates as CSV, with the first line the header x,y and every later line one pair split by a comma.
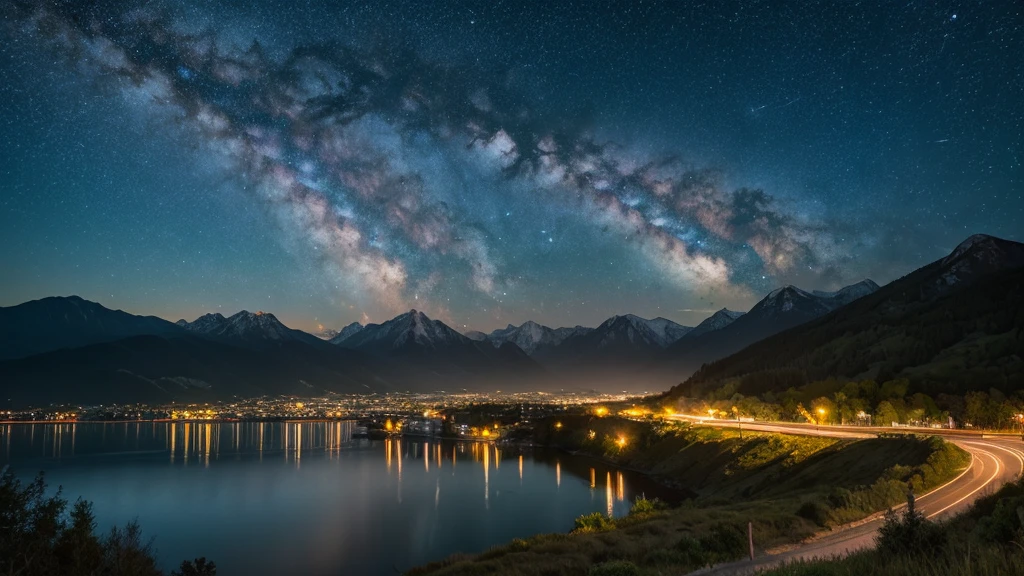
x,y
995,461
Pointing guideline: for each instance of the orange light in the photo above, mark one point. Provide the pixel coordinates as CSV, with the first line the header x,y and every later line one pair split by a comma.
x,y
558,425
621,441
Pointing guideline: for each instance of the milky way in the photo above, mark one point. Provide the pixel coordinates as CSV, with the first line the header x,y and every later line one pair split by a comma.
x,y
412,180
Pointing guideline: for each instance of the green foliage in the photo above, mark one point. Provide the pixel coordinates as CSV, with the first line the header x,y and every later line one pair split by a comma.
x,y
1005,523
909,533
197,567
615,568
911,342
40,537
692,552
642,506
722,543
985,540
594,522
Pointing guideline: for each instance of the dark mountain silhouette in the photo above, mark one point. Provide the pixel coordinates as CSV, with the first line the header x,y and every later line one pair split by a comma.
x,y
621,341
67,322
951,326
421,343
259,329
780,310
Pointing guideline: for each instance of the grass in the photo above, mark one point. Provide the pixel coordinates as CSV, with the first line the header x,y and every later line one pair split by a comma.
x,y
786,486
987,540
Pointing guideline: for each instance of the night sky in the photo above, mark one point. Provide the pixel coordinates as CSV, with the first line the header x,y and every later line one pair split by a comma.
x,y
494,162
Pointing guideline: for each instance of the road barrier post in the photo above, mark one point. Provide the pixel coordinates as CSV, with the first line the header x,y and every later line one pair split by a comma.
x,y
750,538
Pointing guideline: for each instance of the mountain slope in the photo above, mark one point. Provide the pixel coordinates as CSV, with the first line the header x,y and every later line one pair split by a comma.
x,y
532,337
780,310
185,368
67,322
347,331
422,343
248,328
951,326
716,321
622,342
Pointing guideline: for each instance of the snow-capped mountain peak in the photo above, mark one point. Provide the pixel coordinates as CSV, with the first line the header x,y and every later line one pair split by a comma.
x,y
325,333
346,332
848,294
245,326
412,328
786,299
716,321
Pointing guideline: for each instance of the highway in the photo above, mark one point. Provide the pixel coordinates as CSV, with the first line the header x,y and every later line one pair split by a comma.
x,y
995,460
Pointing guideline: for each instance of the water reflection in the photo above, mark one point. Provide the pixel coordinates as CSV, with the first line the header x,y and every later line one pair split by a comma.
x,y
348,496
184,441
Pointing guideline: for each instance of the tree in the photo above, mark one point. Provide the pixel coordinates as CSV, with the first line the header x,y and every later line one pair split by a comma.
x,y
40,537
197,567
886,414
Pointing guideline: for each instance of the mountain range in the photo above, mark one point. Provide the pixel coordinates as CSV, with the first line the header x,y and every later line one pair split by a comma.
x,y
780,310
952,326
64,349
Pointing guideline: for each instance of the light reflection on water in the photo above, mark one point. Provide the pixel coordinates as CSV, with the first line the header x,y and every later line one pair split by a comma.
x,y
306,497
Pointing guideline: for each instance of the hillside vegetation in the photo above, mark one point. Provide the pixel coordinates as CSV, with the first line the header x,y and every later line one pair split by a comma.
x,y
966,340
987,540
789,487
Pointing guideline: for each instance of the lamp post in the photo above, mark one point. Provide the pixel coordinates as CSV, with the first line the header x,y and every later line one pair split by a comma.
x,y
821,416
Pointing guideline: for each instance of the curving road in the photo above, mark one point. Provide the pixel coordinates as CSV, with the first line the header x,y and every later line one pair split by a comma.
x,y
995,460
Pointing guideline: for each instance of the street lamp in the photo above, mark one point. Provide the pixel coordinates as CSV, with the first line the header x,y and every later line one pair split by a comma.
x,y
821,416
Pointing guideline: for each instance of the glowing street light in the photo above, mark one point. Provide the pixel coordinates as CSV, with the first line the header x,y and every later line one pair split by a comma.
x,y
821,416
621,442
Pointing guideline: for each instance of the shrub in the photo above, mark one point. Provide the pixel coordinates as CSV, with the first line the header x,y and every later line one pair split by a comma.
x,y
692,551
722,543
615,568
594,522
908,533
815,511
1006,522
644,506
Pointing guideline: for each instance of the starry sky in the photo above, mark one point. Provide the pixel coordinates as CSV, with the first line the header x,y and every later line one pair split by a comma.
x,y
494,162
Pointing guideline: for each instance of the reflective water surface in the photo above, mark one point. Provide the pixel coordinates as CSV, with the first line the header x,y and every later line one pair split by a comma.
x,y
307,498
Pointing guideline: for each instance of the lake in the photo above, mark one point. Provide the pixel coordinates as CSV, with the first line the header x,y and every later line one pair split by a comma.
x,y
308,498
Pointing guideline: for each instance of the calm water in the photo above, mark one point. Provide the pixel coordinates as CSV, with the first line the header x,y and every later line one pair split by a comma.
x,y
307,498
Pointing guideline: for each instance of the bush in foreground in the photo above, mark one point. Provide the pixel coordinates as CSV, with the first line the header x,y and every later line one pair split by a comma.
x,y
41,536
